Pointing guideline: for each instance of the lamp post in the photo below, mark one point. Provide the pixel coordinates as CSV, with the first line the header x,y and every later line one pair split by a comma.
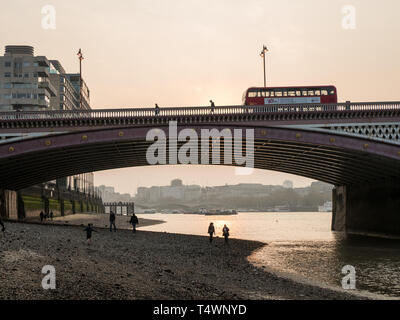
x,y
80,57
262,54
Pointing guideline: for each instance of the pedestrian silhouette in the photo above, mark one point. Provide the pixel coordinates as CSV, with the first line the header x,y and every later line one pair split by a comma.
x,y
112,221
212,106
225,233
41,215
134,221
89,231
211,231
3,228
157,110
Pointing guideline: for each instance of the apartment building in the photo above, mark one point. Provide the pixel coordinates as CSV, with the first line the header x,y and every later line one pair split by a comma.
x,y
35,83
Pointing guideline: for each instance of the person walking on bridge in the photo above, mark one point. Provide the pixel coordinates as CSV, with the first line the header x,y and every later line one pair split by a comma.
x,y
211,231
212,106
134,221
112,221
157,110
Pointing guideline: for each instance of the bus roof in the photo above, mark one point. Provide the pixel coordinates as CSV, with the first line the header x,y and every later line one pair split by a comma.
x,y
290,87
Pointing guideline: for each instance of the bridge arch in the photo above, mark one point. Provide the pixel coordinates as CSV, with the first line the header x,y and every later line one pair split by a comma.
x,y
325,156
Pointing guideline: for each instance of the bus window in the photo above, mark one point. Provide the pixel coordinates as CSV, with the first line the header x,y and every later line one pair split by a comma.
x,y
324,92
310,92
271,94
304,93
267,94
292,93
278,94
285,93
317,92
259,94
252,94
332,92
298,93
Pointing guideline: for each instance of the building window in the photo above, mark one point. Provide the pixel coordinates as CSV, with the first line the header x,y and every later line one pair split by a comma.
x,y
7,96
26,64
7,75
7,63
26,75
7,85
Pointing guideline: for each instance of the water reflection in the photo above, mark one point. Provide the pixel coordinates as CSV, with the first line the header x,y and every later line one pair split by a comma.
x,y
303,244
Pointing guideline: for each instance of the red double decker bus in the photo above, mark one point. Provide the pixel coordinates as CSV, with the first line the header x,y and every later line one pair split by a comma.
x,y
290,95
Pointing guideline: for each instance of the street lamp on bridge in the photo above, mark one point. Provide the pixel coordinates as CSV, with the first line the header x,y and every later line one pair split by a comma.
x,y
262,54
80,57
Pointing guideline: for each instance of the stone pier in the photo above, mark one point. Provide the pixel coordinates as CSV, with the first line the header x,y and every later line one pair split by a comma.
x,y
8,204
367,209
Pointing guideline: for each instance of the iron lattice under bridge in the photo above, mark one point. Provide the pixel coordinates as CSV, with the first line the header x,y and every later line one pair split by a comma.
x,y
342,144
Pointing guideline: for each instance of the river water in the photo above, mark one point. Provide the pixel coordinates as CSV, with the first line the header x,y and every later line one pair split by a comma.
x,y
301,244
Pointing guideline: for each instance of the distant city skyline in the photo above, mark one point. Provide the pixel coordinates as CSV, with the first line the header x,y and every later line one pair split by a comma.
x,y
214,177
184,53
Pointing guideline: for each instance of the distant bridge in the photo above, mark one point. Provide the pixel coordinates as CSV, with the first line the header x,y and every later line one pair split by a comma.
x,y
119,207
350,145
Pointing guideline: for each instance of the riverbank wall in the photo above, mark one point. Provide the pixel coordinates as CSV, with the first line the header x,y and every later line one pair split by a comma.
x,y
28,203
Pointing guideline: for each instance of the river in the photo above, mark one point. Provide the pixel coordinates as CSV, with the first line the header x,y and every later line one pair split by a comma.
x,y
301,244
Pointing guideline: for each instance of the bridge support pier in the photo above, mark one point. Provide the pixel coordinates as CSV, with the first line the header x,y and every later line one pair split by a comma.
x,y
8,204
367,209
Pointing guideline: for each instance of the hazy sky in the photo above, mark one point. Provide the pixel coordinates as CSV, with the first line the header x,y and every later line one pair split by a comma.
x,y
184,53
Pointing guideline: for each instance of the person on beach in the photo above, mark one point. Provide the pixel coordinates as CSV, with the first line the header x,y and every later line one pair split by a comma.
x,y
225,233
211,231
89,231
212,106
3,228
41,215
134,221
112,221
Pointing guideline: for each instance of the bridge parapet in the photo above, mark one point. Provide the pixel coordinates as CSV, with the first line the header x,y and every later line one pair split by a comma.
x,y
145,116
197,111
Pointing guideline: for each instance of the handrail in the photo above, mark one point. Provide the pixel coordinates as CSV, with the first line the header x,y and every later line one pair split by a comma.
x,y
196,111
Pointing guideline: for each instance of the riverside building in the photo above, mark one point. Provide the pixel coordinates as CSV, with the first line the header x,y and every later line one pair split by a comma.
x,y
35,83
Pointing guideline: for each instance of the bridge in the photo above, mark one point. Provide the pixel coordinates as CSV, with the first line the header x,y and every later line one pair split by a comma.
x,y
120,208
354,146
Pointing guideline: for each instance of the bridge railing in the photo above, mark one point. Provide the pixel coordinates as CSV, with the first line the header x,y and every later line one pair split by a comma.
x,y
194,111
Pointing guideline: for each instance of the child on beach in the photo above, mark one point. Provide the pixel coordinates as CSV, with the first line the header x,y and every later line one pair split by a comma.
x,y
89,231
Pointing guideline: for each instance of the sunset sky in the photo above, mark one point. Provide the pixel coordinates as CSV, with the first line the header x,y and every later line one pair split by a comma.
x,y
186,52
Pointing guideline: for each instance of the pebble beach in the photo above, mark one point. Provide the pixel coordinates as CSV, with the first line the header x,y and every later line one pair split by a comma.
x,y
145,265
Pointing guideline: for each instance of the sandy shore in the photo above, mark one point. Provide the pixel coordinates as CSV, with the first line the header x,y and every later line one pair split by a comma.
x,y
98,220
147,265
102,221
